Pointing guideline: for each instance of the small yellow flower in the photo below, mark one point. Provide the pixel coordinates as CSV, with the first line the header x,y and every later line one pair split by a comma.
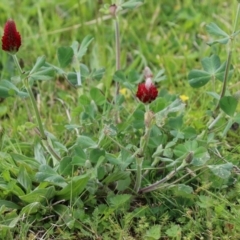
x,y
184,98
125,92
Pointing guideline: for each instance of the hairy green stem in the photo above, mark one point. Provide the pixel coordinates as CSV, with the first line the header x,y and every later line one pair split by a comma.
x,y
37,114
117,39
155,185
30,93
228,64
118,66
39,121
51,150
138,175
154,163
215,121
229,57
17,63
141,150
117,46
35,108
236,18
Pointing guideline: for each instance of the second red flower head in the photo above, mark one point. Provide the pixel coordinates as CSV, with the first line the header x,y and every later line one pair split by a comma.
x,y
147,92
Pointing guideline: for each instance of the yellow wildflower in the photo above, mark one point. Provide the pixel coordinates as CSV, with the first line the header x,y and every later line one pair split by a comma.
x,y
184,98
125,92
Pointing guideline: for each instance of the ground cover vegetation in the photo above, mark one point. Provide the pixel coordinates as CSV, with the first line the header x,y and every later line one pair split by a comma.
x,y
119,120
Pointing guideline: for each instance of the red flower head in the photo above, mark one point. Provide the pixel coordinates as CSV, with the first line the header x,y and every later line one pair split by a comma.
x,y
11,39
147,92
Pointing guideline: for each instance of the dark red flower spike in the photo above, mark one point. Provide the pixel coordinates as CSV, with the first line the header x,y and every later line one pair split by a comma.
x,y
11,40
147,92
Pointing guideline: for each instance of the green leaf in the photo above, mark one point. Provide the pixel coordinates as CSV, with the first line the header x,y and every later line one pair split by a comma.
x,y
228,104
44,74
58,70
153,233
211,64
80,157
159,151
92,185
9,204
59,146
183,149
175,106
212,68
123,184
72,126
119,76
222,41
131,4
39,63
126,159
39,195
215,30
116,176
31,208
191,145
78,161
174,231
119,201
75,46
4,92
235,33
200,157
72,77
97,96
65,166
39,153
198,78
47,174
65,55
22,94
113,159
189,132
66,215
159,76
21,159
95,154
86,142
175,122
8,89
84,100
97,74
7,84
222,171
24,179
13,187
133,77
220,72
214,95
10,223
185,188
205,202
74,188
105,8
84,71
84,46
61,209
200,154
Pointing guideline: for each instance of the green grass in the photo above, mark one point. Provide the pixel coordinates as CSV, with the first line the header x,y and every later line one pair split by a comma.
x,y
170,35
